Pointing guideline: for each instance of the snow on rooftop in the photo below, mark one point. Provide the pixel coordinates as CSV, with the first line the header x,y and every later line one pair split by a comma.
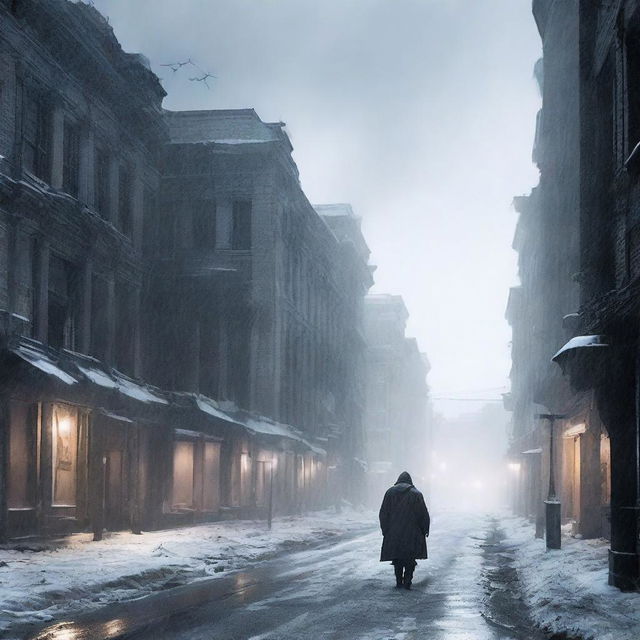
x,y
139,392
44,364
212,408
98,377
340,209
224,126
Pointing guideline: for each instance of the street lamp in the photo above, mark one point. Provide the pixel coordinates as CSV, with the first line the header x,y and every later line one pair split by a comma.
x,y
552,504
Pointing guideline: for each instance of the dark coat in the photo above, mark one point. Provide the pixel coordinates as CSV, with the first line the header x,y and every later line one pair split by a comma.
x,y
404,520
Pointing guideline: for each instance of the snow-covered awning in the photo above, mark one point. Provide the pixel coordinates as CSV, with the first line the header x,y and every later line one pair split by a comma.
x,y
531,451
119,382
268,427
44,363
250,422
581,342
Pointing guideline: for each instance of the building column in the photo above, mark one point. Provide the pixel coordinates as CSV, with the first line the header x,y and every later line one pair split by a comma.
x,y
224,223
96,475
13,230
110,312
57,145
114,190
590,483
42,291
223,354
617,401
137,201
86,284
4,465
137,338
86,176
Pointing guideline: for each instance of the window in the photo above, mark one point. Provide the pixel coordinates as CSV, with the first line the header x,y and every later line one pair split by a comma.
x,y
71,158
150,231
241,233
101,181
62,303
125,210
183,467
64,430
36,136
126,330
211,477
99,313
204,225
632,41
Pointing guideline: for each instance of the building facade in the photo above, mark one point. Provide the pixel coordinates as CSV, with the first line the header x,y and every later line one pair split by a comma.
x,y
180,331
77,164
398,411
272,289
577,240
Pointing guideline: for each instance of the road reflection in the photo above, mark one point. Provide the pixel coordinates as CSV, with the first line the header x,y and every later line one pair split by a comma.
x,y
74,631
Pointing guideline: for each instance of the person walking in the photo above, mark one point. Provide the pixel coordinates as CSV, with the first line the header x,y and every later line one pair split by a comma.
x,y
404,520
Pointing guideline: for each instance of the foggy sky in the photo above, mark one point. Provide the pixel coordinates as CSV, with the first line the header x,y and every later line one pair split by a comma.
x,y
420,113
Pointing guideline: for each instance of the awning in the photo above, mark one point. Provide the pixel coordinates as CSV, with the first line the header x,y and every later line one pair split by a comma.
x,y
250,422
268,427
579,343
531,451
44,363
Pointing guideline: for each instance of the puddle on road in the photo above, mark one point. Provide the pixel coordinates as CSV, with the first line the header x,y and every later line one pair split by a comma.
x,y
505,609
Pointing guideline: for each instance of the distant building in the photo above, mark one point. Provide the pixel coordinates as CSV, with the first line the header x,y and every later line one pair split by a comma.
x,y
398,417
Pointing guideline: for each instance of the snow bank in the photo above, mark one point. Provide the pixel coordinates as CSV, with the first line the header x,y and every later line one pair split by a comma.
x,y
567,589
44,581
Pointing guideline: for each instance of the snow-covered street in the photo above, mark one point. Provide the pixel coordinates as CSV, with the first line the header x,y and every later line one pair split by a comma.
x,y
40,582
317,576
464,591
567,591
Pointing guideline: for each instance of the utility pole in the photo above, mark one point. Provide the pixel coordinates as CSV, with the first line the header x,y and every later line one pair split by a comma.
x,y
552,504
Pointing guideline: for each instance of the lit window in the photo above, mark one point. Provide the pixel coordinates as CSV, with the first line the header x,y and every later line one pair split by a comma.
x,y
182,490
64,431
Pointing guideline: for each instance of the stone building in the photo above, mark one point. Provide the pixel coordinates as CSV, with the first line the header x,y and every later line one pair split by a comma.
x,y
179,328
271,291
80,126
398,413
578,247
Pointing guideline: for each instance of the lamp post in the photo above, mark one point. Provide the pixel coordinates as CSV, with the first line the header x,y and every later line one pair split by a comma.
x,y
270,514
552,504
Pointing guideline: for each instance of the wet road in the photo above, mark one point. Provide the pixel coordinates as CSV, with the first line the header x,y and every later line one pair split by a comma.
x,y
467,590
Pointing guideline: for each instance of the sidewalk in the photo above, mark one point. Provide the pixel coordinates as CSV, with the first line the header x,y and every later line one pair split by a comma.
x,y
567,589
44,581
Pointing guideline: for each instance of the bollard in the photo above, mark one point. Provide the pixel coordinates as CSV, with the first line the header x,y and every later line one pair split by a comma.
x,y
552,513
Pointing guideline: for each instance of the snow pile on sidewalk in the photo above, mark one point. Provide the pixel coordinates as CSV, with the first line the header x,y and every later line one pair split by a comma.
x,y
567,589
43,581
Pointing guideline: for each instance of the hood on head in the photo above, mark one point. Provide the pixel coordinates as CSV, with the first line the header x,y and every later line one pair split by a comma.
x,y
404,478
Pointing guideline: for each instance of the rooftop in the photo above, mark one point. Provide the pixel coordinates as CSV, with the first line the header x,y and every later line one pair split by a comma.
x,y
223,126
342,210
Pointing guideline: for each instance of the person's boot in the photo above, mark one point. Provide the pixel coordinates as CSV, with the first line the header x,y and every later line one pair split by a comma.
x,y
398,570
408,577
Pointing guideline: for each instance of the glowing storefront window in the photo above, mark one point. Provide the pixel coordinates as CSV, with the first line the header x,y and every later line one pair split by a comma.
x,y
64,433
182,494
211,475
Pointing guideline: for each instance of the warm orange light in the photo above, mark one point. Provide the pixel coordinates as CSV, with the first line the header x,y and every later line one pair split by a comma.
x,y
64,427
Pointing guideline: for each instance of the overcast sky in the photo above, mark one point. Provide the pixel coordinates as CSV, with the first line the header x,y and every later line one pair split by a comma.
x,y
418,112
